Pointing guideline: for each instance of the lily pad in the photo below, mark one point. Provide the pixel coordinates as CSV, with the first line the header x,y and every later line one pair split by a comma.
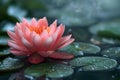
x,y
94,63
76,32
4,52
107,29
102,40
52,70
113,52
3,41
81,48
10,64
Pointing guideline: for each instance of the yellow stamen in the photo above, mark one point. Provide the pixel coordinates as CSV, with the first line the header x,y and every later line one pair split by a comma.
x,y
48,29
39,30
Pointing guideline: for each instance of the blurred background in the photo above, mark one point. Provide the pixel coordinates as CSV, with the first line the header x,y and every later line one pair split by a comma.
x,y
70,12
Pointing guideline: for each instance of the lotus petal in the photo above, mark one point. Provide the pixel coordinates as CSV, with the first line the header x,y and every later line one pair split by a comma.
x,y
37,40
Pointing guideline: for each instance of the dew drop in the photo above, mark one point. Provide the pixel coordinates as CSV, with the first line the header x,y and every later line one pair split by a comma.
x,y
80,52
93,68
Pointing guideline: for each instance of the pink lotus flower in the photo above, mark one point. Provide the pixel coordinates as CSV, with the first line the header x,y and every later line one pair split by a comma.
x,y
37,40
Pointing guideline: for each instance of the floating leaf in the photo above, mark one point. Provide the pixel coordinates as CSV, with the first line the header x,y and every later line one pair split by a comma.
x,y
4,52
9,64
76,32
37,70
51,70
3,41
100,40
12,9
59,70
94,63
81,48
107,29
113,52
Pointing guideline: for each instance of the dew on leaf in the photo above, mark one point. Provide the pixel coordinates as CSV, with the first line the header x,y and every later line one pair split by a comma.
x,y
113,52
5,52
94,63
79,48
52,70
9,64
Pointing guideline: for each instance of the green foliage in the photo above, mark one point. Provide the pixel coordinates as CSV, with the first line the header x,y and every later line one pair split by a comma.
x,y
79,48
10,64
52,70
113,52
94,63
108,29
108,34
4,53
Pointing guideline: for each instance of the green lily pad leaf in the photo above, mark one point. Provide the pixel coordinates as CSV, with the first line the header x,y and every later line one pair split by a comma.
x,y
9,64
59,70
113,52
51,70
3,41
107,29
76,32
81,48
37,70
4,52
94,63
102,40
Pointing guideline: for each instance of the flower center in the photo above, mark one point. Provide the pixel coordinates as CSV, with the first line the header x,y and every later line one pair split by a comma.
x,y
39,30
